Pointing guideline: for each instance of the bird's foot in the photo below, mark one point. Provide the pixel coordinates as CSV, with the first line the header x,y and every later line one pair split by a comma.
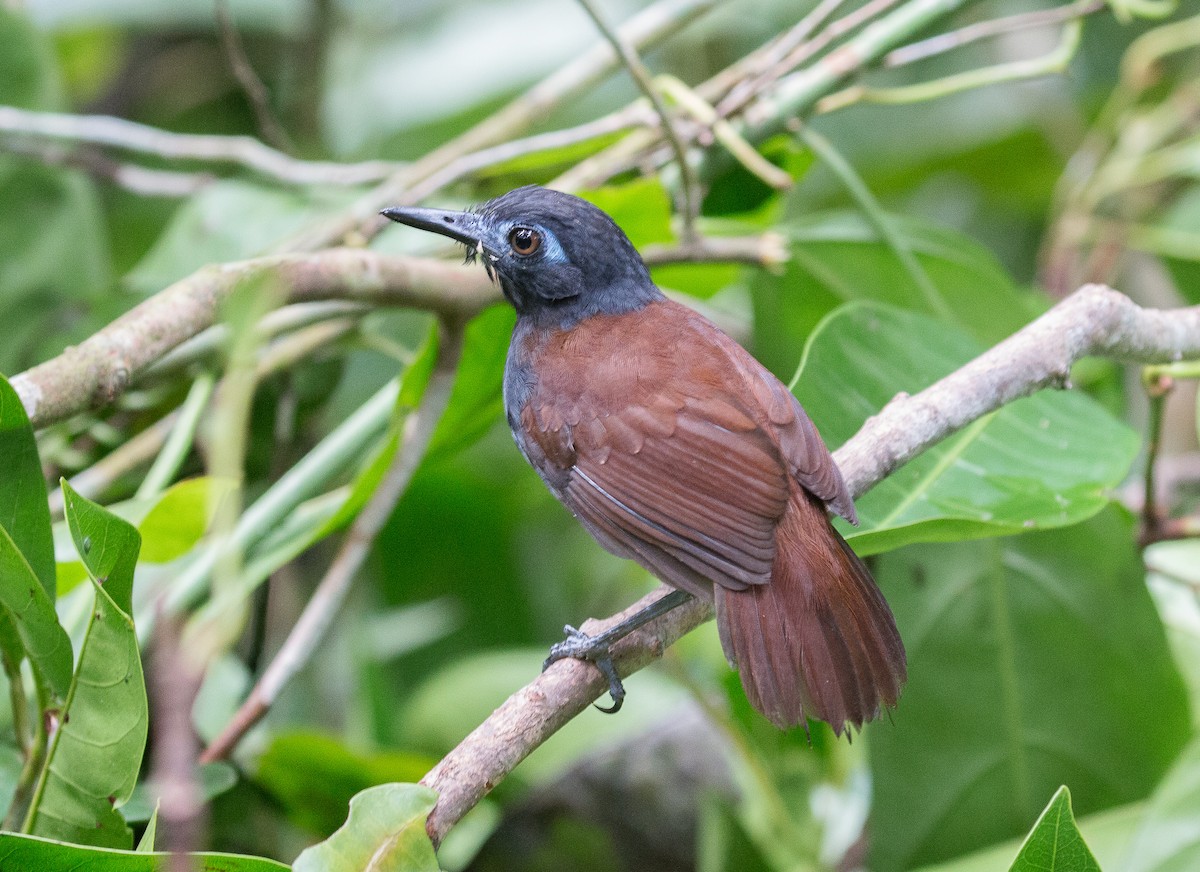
x,y
580,646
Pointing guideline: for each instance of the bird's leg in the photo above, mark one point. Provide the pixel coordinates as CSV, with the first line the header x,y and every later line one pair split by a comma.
x,y
596,649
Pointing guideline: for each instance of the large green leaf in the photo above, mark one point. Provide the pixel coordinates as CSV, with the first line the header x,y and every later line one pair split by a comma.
x,y
1044,461
1055,844
29,853
384,833
24,506
93,757
1034,661
837,257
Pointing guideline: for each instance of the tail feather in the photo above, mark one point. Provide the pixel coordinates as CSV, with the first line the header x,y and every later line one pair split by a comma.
x,y
819,639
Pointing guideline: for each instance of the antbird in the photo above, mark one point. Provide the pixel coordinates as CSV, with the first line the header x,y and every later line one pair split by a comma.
x,y
677,449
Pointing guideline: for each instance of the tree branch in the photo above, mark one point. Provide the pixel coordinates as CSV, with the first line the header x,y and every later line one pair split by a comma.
x,y
243,151
100,368
1094,321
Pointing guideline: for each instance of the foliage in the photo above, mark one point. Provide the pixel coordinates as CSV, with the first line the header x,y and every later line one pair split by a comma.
x,y
1049,654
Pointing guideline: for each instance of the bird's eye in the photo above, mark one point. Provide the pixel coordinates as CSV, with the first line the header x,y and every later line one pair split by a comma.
x,y
524,240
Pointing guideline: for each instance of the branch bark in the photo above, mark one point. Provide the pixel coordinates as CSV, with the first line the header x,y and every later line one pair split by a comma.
x,y
99,369
1096,320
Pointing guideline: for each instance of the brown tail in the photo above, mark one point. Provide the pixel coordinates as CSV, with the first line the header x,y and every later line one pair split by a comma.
x,y
819,640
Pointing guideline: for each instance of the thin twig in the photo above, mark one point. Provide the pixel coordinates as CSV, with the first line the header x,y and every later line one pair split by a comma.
x,y
768,250
635,115
305,637
804,51
269,127
792,98
135,452
143,181
178,443
945,42
725,133
772,54
1094,321
1158,388
1054,61
243,151
645,82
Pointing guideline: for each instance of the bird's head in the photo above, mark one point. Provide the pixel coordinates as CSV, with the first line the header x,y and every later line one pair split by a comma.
x,y
557,258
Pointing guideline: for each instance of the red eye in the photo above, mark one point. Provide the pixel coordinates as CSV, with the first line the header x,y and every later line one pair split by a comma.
x,y
524,241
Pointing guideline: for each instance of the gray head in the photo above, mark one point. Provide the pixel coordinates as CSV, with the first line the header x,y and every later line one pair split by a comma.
x,y
558,258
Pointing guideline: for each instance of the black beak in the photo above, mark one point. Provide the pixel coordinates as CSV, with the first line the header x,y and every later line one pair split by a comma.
x,y
464,227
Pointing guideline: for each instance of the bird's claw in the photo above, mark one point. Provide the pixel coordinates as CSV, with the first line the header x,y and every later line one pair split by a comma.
x,y
580,646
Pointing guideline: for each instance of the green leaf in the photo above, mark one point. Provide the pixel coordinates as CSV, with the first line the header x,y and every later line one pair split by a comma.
x,y
170,524
24,505
28,852
384,833
838,258
1044,461
475,400
641,208
1168,839
93,758
145,844
179,519
44,640
314,776
1034,661
1055,844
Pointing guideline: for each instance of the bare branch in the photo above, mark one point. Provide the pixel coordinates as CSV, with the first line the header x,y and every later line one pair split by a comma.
x,y
1094,321
953,39
136,179
100,368
244,151
768,250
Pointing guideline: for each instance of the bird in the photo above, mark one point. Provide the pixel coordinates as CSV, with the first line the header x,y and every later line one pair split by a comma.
x,y
675,448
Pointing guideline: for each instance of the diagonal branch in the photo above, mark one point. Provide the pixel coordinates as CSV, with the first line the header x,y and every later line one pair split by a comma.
x,y
1096,320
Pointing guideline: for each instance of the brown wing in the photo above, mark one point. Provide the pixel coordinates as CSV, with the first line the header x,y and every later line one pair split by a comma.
x,y
671,445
